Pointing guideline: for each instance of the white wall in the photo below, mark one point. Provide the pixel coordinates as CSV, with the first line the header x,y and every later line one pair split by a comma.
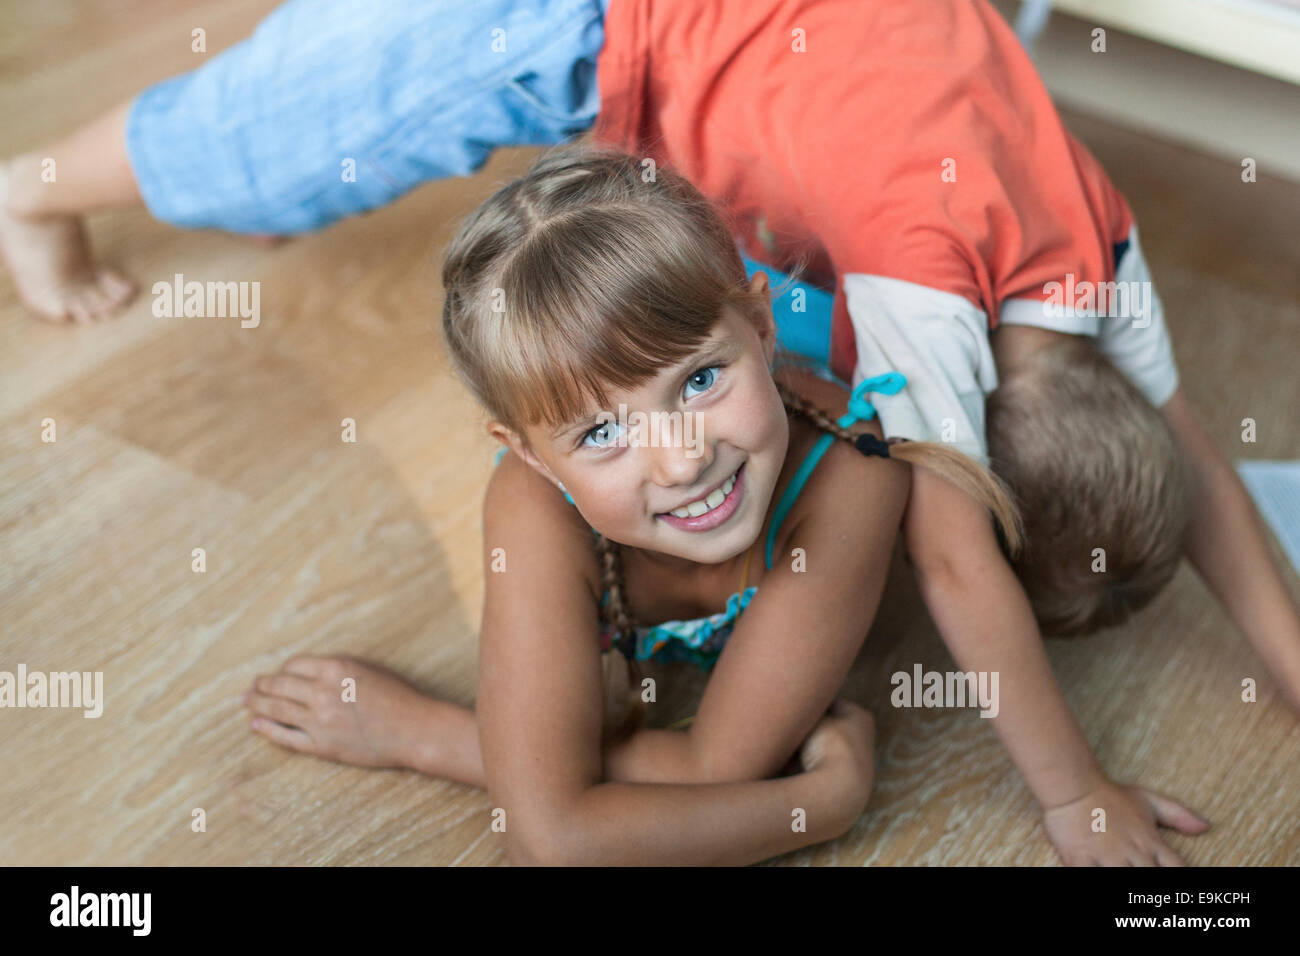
x,y
1171,93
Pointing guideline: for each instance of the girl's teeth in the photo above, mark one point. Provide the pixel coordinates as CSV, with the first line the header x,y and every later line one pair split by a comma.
x,y
715,498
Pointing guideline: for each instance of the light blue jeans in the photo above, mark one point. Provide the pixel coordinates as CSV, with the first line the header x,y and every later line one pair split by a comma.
x,y
264,138
334,107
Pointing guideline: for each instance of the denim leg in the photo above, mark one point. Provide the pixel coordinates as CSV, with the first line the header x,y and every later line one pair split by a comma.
x,y
334,107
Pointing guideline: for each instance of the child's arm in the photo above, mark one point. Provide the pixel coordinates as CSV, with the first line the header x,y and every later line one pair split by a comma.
x,y
1227,546
540,719
987,623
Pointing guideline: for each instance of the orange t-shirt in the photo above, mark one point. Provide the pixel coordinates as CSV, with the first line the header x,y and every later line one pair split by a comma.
x,y
909,140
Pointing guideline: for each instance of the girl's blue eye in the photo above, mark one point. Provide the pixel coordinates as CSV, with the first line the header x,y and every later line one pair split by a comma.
x,y
703,379
604,433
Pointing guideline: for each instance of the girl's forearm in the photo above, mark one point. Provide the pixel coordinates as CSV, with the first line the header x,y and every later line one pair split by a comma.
x,y
988,626
718,824
447,746
729,824
445,743
653,756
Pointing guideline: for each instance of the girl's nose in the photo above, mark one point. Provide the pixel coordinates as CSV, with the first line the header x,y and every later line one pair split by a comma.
x,y
677,465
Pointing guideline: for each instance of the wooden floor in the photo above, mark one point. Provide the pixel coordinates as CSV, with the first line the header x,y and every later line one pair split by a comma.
x,y
175,434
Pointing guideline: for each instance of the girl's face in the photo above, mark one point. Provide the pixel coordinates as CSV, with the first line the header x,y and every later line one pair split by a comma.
x,y
708,436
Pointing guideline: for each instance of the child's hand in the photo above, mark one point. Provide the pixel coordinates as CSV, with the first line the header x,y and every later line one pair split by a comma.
x,y
377,720
1130,837
842,747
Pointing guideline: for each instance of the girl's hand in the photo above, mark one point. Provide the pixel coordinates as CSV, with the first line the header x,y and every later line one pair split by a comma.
x,y
842,747
376,720
1130,837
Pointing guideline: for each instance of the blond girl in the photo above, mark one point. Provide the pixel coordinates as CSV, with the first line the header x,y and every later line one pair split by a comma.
x,y
758,552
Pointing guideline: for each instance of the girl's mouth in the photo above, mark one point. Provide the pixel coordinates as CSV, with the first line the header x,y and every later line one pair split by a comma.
x,y
711,511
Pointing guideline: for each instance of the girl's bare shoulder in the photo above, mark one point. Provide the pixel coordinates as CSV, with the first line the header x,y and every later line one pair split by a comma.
x,y
525,514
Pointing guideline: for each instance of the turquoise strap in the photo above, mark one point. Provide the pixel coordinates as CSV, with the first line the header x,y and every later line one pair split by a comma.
x,y
860,410
792,492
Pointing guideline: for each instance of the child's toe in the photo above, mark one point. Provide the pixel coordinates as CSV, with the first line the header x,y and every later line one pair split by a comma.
x,y
118,289
95,301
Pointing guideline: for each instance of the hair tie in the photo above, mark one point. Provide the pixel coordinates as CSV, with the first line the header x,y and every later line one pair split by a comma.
x,y
869,444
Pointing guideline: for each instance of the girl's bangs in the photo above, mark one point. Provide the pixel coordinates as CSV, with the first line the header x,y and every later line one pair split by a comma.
x,y
573,338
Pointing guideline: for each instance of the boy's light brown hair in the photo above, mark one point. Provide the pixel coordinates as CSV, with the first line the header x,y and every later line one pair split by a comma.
x,y
1092,464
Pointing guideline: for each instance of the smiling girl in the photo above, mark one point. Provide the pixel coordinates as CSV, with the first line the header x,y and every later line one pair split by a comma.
x,y
758,552
584,286
588,284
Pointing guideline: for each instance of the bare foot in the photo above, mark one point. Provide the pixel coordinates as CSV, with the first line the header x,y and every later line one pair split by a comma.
x,y
378,721
49,260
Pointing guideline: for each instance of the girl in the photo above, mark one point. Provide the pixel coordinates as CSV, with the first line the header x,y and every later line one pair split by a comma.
x,y
591,284
580,288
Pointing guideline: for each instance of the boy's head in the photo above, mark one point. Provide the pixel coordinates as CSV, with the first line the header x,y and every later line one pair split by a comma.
x,y
1093,466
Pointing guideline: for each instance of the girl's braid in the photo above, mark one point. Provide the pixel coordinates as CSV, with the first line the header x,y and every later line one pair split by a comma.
x,y
794,402
611,570
625,712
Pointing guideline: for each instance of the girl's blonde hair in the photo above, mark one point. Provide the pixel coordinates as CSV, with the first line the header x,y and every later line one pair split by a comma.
x,y
598,269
